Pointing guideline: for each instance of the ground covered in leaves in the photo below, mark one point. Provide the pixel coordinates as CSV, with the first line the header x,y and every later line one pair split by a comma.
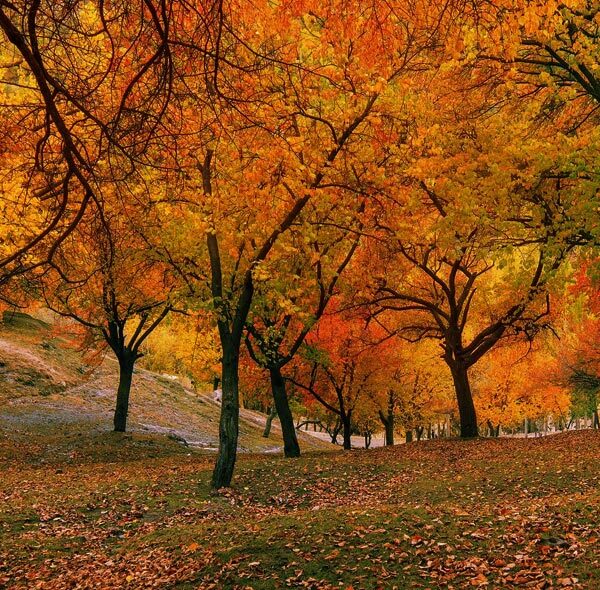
x,y
136,512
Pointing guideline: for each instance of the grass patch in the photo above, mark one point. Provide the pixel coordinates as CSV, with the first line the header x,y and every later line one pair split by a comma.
x,y
440,514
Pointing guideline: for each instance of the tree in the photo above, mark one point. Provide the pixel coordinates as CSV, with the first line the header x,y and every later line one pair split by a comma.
x,y
305,93
388,416
187,345
578,355
414,389
453,225
520,381
289,304
346,361
103,277
548,49
74,126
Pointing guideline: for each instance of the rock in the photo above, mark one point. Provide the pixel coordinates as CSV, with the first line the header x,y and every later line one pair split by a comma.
x,y
178,439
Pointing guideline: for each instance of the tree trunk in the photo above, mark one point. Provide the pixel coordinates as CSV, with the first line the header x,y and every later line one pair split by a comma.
x,y
230,416
388,424
389,431
291,448
336,430
419,431
347,432
596,421
268,423
408,437
126,363
464,398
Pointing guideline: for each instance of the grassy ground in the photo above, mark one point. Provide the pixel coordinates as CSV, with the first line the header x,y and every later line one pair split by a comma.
x,y
81,507
134,512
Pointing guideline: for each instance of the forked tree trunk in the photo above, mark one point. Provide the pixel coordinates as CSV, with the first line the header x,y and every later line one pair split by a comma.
x,y
269,422
230,415
336,430
126,364
291,448
464,398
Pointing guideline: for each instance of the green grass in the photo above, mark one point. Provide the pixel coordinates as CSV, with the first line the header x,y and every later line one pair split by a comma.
x,y
82,507
441,514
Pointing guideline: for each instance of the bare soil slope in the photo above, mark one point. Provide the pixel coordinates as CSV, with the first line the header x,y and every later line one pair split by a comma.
x,y
52,402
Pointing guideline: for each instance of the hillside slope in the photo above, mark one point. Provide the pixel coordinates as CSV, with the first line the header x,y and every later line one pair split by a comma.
x,y
52,402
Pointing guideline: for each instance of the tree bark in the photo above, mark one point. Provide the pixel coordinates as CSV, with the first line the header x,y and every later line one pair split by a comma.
x,y
126,363
270,416
291,448
230,415
464,398
388,424
347,432
389,430
336,430
408,437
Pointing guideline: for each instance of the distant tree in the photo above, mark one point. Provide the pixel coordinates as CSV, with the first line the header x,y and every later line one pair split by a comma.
x,y
344,362
578,354
518,382
187,345
470,241
105,278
